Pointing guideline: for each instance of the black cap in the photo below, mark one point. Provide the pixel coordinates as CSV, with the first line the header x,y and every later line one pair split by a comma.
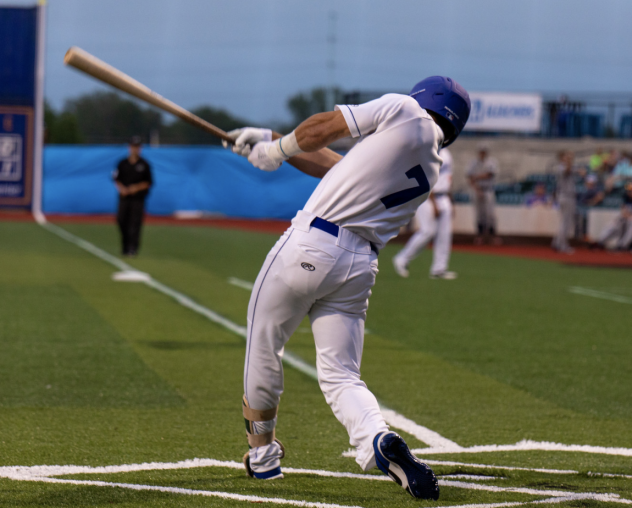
x,y
136,141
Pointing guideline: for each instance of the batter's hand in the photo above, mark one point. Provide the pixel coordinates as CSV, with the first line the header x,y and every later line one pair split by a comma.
x,y
266,156
246,138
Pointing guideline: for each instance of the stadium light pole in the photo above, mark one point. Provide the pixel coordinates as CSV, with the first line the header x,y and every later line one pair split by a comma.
x,y
38,156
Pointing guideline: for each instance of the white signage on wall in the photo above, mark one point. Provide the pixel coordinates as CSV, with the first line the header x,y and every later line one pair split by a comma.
x,y
10,157
515,112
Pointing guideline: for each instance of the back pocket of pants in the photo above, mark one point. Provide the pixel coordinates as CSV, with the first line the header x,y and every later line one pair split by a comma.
x,y
306,269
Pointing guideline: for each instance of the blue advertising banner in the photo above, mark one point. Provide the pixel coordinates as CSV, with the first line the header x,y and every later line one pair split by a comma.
x,y
18,39
78,179
16,155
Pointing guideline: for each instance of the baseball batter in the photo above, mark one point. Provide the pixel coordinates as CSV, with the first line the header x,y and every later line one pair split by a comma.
x,y
325,264
434,218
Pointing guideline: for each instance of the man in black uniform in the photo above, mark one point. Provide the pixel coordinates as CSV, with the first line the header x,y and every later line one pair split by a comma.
x,y
133,180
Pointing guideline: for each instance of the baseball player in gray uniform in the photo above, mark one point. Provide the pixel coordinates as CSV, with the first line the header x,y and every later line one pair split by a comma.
x,y
481,175
434,218
621,227
325,264
566,201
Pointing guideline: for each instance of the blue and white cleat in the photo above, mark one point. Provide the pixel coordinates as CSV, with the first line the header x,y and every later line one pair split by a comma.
x,y
395,460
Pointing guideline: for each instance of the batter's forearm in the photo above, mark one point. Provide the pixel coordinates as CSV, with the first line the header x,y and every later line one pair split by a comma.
x,y
315,164
321,130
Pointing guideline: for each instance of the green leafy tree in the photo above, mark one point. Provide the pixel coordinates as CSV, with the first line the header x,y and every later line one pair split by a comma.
x,y
180,132
61,128
305,104
106,117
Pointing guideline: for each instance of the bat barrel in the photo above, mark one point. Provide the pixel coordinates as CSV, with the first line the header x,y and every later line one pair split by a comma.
x,y
91,65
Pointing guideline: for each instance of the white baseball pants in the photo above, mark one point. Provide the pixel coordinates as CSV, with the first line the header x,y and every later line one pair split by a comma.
x,y
485,208
311,272
438,229
567,210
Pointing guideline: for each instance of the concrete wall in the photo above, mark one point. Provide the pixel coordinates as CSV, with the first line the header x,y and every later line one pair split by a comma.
x,y
519,157
524,221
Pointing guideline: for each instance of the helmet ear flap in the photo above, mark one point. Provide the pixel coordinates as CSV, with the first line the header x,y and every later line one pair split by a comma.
x,y
449,132
448,100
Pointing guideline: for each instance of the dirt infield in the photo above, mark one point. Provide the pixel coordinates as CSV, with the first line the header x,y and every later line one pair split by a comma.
x,y
581,256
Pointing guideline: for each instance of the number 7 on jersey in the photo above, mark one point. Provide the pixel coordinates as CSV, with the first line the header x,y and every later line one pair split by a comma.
x,y
406,195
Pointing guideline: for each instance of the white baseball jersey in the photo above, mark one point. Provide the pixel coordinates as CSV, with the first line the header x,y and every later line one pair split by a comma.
x,y
445,173
377,187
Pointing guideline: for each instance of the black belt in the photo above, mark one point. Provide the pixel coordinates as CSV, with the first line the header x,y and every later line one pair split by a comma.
x,y
333,229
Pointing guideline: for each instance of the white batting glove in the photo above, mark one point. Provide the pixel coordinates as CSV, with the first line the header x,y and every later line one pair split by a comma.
x,y
266,156
246,138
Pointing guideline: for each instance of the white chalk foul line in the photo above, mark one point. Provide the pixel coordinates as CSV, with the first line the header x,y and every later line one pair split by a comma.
x,y
600,294
394,419
243,284
424,434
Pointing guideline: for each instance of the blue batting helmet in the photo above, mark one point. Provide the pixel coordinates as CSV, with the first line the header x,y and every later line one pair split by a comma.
x,y
446,98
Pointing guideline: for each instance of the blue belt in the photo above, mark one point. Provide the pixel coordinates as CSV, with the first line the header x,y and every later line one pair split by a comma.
x,y
333,229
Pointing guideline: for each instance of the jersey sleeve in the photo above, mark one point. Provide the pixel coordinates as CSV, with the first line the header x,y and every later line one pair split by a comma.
x,y
365,118
116,174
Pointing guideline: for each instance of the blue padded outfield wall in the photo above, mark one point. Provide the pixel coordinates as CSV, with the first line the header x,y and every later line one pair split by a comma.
x,y
78,179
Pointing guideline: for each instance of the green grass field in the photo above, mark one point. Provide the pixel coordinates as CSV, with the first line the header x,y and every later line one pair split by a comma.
x,y
101,373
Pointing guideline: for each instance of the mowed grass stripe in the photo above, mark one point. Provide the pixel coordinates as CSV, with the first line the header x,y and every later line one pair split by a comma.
x,y
55,350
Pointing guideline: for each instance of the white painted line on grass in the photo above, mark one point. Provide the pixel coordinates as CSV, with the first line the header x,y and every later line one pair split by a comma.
x,y
305,504
515,468
491,466
551,500
609,475
524,445
430,437
527,444
124,468
44,474
600,294
499,505
243,284
394,419
459,476
193,492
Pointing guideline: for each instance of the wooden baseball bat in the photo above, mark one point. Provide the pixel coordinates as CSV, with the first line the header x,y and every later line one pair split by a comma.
x,y
85,62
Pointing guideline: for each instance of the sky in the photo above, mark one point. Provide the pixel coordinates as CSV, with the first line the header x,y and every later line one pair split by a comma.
x,y
249,56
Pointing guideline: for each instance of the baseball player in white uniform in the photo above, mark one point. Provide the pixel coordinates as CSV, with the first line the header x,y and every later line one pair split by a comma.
x,y
434,220
325,264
